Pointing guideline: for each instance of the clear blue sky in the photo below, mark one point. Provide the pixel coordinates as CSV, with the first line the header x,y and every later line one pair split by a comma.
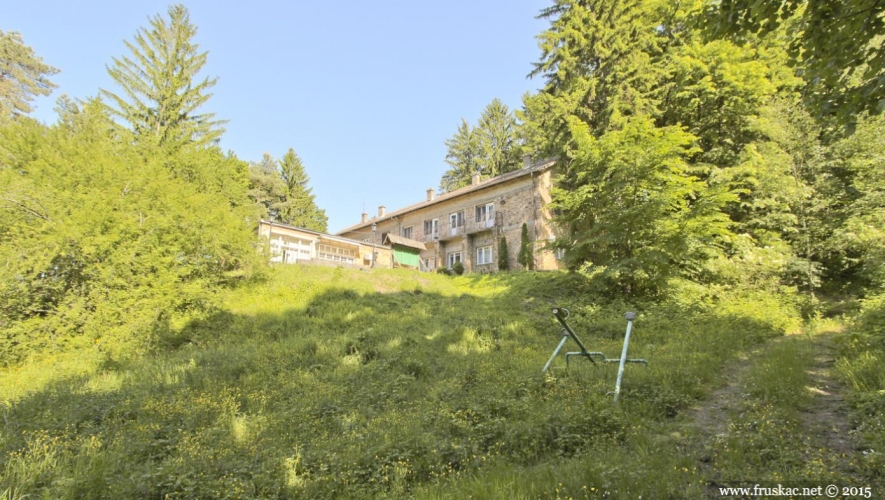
x,y
365,92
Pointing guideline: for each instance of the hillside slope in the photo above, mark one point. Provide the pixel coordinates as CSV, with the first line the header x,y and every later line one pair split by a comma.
x,y
334,383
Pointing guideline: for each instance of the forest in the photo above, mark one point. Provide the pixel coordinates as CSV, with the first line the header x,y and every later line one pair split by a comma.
x,y
719,163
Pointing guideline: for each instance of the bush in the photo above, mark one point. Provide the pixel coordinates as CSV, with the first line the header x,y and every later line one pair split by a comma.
x,y
458,268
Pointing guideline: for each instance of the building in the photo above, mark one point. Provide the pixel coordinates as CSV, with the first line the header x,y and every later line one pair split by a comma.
x,y
296,245
466,225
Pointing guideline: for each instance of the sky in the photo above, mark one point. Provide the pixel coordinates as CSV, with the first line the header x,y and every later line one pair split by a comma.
x,y
366,92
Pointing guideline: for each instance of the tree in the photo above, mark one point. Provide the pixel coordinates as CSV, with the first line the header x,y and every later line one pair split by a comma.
x,y
267,189
23,75
490,149
503,255
463,155
161,98
635,210
837,45
598,59
526,257
498,140
301,208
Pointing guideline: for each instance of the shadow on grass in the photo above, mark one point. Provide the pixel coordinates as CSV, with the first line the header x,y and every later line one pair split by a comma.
x,y
352,395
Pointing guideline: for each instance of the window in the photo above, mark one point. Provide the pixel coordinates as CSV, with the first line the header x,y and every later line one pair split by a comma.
x,y
407,232
484,255
428,264
456,220
454,257
337,254
559,253
485,212
431,227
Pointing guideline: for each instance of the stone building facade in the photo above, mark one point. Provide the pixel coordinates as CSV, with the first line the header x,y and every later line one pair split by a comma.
x,y
466,225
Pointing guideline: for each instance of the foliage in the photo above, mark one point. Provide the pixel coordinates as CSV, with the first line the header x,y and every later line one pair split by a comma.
x,y
105,246
490,149
160,95
301,209
597,59
858,237
458,268
23,75
526,256
636,209
268,396
503,255
837,45
279,189
462,155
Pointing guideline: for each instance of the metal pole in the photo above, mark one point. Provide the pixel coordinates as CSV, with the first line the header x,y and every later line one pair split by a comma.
x,y
630,317
565,337
557,313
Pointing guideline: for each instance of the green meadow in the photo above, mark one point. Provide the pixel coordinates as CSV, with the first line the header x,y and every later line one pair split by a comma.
x,y
335,383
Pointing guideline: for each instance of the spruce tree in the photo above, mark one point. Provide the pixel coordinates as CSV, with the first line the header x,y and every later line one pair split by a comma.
x,y
300,208
160,93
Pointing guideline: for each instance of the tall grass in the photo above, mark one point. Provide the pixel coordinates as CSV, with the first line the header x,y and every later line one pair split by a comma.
x,y
332,383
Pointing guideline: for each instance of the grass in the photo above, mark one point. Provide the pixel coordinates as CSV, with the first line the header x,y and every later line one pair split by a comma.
x,y
333,383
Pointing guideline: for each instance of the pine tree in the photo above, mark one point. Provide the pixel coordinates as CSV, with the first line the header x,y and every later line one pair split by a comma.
x,y
503,255
526,257
300,208
160,96
23,75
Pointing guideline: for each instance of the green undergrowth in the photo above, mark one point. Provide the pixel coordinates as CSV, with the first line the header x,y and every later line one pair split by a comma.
x,y
335,383
861,367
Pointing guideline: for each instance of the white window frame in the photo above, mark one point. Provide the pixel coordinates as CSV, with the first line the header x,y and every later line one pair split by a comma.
x,y
484,255
453,257
456,220
559,254
407,232
433,225
485,213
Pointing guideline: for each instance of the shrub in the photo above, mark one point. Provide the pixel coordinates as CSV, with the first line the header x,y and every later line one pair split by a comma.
x,y
458,268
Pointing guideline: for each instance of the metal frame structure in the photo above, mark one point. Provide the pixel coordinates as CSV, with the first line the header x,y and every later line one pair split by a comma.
x,y
561,314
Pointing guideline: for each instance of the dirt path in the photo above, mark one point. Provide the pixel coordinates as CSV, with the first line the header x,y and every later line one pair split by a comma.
x,y
828,416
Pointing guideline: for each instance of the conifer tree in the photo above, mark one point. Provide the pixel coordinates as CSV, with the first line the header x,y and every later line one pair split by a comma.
x,y
300,208
526,257
161,96
503,255
463,156
23,75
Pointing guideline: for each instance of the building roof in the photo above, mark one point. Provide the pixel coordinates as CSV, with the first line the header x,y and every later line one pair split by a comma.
x,y
406,242
322,236
494,181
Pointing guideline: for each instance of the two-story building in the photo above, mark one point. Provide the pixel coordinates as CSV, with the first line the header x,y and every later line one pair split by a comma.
x,y
466,225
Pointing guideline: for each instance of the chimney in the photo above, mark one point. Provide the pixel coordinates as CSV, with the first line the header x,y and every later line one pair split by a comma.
x,y
430,194
475,179
381,211
526,161
365,217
